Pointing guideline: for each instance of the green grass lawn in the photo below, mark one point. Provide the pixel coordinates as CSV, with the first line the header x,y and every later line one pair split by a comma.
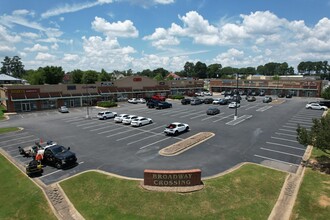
x,y
20,198
247,193
9,129
313,201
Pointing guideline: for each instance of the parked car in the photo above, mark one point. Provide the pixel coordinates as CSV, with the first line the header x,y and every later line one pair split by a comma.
x,y
212,111
106,114
119,118
185,101
199,94
288,96
325,103
316,106
158,98
128,119
281,95
139,121
152,103
162,105
267,99
262,93
208,93
175,128
208,101
63,109
216,101
250,98
132,101
234,105
59,156
141,100
196,101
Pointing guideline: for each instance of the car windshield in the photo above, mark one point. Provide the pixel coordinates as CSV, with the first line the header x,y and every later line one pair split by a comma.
x,y
100,113
58,149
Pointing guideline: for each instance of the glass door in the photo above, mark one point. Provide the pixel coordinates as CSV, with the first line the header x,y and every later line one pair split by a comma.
x,y
26,107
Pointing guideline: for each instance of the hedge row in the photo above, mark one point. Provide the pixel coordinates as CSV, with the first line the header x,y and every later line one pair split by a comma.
x,y
106,104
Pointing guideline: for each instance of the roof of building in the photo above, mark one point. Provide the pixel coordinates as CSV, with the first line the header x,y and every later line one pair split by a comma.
x,y
175,76
5,77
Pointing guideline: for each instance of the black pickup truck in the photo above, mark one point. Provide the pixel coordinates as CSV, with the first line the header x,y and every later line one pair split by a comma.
x,y
59,156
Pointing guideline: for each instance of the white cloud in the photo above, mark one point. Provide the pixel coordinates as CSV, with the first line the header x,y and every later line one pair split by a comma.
x,y
70,57
7,38
30,35
55,46
5,48
116,29
45,57
36,48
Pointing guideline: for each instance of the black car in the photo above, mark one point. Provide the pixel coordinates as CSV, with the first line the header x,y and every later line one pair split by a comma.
x,y
152,103
212,111
281,95
288,96
59,156
185,101
162,105
224,102
208,101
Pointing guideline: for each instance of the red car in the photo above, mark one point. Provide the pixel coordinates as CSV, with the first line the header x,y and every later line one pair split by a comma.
x,y
158,98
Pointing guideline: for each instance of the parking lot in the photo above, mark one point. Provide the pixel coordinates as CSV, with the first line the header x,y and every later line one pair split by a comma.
x,y
263,133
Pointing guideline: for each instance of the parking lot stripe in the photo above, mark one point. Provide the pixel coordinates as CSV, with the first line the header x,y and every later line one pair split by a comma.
x,y
284,139
302,119
133,142
122,132
115,129
223,118
301,122
187,115
93,122
198,116
291,135
263,108
281,129
22,142
285,126
140,133
18,138
284,145
13,134
239,120
154,143
212,116
281,161
281,152
92,126
104,127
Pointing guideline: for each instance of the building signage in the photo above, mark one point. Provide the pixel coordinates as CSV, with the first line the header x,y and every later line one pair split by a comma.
x,y
20,91
137,79
172,178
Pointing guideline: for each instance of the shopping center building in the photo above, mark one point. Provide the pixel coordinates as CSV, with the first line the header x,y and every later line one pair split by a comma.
x,y
18,98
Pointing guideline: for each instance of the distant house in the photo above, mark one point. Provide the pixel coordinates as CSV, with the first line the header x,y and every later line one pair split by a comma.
x,y
175,77
6,79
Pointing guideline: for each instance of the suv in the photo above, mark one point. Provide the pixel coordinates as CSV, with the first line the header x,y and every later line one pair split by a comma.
x,y
196,101
59,156
106,114
267,99
152,103
185,101
162,105
208,101
316,106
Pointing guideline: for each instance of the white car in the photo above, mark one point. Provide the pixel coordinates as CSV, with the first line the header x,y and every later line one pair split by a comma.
x,y
175,128
141,100
234,105
132,101
128,119
316,106
216,101
139,121
119,118
106,114
63,109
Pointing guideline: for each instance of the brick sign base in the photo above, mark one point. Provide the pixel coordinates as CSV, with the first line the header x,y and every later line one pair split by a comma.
x,y
189,179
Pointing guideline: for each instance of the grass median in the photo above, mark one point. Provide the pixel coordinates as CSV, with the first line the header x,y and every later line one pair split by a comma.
x,y
313,200
247,193
19,197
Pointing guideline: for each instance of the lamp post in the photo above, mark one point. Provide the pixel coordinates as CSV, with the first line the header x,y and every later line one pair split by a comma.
x,y
235,117
87,100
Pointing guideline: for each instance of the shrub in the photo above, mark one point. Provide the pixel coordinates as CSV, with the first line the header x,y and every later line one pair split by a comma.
x,y
176,96
106,104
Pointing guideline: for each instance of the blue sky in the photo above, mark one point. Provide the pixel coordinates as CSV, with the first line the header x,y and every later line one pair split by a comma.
x,y
149,34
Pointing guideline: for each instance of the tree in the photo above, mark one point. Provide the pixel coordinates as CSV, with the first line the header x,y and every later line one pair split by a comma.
x,y
76,76
159,77
104,76
200,70
53,74
189,69
163,72
214,70
90,77
35,77
13,66
318,136
326,93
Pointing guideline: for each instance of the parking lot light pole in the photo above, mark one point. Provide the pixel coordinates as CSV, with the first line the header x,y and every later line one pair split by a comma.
x,y
87,100
235,117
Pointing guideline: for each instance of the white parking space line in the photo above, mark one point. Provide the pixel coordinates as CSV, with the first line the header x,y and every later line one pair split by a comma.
x,y
285,145
223,118
285,126
198,116
133,142
281,161
92,126
89,123
13,134
116,129
72,119
291,135
56,171
256,106
122,132
239,120
104,127
181,111
281,129
77,122
301,122
281,152
189,114
19,138
263,108
284,139
22,142
302,119
154,143
212,116
139,133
